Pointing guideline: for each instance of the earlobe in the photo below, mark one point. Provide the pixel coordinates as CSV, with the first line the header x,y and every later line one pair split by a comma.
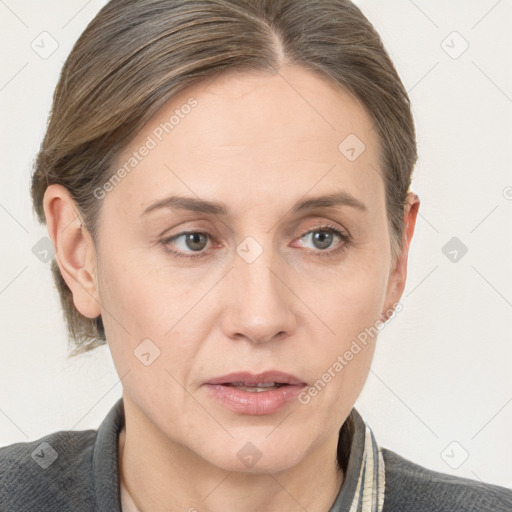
x,y
74,249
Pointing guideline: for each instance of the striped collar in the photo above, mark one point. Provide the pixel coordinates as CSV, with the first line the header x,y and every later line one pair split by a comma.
x,y
364,481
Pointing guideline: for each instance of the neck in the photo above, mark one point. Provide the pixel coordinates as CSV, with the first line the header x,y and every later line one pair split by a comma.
x,y
161,475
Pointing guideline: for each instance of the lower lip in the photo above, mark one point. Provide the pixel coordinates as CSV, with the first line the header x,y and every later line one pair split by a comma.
x,y
256,403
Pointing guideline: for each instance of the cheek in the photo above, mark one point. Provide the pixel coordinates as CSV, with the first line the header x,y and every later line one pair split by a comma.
x,y
131,309
351,309
354,296
135,288
140,303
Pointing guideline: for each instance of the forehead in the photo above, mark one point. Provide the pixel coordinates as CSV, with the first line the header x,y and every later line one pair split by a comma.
x,y
244,135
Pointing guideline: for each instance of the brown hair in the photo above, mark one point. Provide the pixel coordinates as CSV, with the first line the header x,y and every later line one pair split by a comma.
x,y
137,54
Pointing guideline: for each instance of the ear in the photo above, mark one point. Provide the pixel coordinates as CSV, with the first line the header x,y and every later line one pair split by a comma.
x,y
75,251
398,275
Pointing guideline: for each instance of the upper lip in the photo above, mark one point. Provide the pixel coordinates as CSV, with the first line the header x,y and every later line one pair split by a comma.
x,y
251,379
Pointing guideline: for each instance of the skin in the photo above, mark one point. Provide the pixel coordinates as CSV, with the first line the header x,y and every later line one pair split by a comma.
x,y
258,145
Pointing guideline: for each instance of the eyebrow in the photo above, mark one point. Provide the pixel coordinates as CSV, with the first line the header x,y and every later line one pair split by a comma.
x,y
202,206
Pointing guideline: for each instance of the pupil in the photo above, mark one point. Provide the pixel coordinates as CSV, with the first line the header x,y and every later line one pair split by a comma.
x,y
321,237
194,238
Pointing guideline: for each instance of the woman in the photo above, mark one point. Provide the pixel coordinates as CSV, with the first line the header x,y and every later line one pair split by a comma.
x,y
227,186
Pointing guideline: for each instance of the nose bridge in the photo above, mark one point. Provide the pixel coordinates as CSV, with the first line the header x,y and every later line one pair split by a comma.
x,y
254,269
259,303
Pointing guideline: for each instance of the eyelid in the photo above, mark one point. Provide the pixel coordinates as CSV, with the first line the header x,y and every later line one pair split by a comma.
x,y
328,227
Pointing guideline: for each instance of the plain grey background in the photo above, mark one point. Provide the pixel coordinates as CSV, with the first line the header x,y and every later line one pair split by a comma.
x,y
440,389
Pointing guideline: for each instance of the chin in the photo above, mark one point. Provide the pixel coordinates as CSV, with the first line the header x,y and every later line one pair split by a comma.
x,y
271,464
258,457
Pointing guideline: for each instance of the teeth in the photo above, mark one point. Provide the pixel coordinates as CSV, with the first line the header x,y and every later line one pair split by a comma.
x,y
260,385
259,388
256,389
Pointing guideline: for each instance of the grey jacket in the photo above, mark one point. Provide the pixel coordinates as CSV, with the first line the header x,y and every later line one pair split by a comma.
x,y
77,471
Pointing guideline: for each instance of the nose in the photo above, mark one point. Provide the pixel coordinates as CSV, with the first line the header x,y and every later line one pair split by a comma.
x,y
259,301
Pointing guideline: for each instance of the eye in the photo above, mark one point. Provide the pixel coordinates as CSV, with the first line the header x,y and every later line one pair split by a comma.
x,y
322,238
192,244
191,241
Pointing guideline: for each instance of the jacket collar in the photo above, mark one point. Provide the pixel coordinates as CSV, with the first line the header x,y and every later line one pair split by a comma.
x,y
105,460
363,484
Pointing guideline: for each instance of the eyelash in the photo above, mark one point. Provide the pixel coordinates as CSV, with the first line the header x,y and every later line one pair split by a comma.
x,y
346,239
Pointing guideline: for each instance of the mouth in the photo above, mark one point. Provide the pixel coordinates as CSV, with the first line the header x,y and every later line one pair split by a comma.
x,y
255,389
255,394
257,382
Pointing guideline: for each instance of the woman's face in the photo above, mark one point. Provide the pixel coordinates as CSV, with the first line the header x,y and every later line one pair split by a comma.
x,y
263,285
